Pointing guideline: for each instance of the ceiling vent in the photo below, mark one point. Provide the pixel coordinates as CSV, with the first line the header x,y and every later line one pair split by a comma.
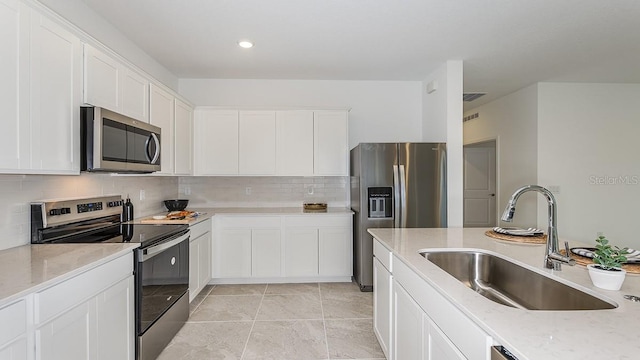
x,y
470,117
468,97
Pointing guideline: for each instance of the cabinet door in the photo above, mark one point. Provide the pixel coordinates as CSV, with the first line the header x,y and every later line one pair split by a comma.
x,y
204,260
331,147
161,114
233,253
301,252
183,138
382,306
407,326
70,336
101,77
436,343
16,350
13,331
335,257
294,139
11,18
216,142
265,253
55,72
194,267
257,142
115,307
134,95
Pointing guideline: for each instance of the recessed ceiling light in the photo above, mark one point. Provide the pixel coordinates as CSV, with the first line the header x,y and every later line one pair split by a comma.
x,y
245,44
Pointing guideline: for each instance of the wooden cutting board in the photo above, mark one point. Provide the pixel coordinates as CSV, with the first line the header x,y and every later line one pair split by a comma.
x,y
168,221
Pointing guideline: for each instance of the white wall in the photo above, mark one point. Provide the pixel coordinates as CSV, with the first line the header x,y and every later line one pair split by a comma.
x,y
80,15
589,145
17,191
381,111
512,121
442,122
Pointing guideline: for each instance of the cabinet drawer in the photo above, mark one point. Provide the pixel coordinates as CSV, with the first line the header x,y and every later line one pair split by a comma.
x,y
382,254
318,221
60,297
252,222
200,229
472,341
14,321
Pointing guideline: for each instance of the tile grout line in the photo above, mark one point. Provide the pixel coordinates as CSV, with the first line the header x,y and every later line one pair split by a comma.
x,y
200,303
324,324
253,324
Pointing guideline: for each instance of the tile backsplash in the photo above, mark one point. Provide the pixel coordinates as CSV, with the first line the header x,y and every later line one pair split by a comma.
x,y
264,191
17,191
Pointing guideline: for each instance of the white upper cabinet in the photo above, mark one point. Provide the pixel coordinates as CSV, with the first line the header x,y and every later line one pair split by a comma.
x,y
161,114
216,142
294,142
282,143
331,143
54,103
112,85
134,95
11,18
257,143
40,85
183,138
101,78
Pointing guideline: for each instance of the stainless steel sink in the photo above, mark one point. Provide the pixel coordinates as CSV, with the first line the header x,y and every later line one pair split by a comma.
x,y
510,284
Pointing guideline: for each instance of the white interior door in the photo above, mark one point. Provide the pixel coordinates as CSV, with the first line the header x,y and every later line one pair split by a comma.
x,y
480,185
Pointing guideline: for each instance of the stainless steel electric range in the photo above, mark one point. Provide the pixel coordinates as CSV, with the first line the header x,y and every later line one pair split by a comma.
x,y
161,268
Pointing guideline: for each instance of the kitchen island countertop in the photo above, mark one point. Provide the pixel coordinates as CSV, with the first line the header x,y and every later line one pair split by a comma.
x,y
532,335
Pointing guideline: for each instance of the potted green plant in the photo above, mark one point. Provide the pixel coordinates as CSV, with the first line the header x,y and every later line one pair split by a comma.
x,y
606,272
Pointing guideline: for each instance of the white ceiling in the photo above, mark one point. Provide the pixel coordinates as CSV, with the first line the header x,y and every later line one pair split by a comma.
x,y
505,44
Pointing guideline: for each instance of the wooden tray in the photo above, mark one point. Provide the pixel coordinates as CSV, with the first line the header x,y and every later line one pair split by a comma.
x,y
584,261
151,220
538,239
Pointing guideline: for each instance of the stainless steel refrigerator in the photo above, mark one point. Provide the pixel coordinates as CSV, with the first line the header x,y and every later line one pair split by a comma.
x,y
400,185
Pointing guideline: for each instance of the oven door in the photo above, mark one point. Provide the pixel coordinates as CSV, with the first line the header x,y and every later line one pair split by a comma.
x,y
162,278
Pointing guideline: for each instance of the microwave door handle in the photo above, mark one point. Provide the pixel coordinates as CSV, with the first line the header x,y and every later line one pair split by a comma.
x,y
153,158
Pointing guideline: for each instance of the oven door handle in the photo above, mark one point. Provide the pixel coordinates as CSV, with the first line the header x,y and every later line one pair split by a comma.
x,y
157,249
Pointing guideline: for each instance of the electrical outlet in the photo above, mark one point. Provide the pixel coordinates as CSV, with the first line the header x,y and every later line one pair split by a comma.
x,y
187,190
310,190
247,190
142,195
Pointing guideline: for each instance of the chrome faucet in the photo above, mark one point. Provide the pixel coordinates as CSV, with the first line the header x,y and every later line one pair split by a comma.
x,y
552,258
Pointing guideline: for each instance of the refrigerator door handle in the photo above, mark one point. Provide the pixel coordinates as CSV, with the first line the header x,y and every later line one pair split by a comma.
x,y
403,197
396,197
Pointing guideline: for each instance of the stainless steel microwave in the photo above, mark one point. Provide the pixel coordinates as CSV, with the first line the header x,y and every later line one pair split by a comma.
x,y
111,142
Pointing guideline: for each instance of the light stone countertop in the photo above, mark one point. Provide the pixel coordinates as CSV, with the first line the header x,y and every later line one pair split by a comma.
x,y
207,213
532,335
274,211
31,268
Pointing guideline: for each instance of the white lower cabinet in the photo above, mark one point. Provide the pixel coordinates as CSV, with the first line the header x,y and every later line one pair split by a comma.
x,y
382,301
199,257
301,252
265,252
424,324
70,336
87,317
13,331
302,247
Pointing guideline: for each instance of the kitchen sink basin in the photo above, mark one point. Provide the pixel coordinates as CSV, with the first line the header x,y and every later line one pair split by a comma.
x,y
510,284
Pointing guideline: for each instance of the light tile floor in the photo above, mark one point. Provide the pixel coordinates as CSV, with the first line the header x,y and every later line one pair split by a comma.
x,y
278,321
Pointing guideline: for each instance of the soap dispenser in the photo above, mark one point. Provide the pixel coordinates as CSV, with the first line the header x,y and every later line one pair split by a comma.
x,y
127,210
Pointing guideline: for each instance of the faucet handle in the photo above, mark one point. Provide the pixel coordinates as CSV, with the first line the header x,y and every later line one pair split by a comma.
x,y
567,253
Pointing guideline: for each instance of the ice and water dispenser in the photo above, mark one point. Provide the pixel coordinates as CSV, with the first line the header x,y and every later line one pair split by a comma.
x,y
380,202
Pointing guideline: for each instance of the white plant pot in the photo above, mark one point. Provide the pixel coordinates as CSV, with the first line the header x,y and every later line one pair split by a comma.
x,y
605,279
